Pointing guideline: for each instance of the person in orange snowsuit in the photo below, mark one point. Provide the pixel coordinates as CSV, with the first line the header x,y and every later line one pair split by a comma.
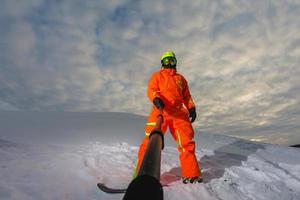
x,y
169,91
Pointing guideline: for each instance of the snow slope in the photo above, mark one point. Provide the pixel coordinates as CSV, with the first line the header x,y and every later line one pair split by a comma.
x,y
232,168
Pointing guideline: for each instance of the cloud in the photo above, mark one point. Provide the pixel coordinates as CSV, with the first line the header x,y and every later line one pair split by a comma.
x,y
240,57
7,106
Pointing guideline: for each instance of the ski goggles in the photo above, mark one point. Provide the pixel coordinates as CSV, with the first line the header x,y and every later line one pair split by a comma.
x,y
169,61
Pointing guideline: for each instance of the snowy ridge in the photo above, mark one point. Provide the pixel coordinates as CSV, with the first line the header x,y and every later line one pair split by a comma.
x,y
71,172
70,169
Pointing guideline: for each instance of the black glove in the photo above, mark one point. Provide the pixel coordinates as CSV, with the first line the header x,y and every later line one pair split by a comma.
x,y
159,104
193,114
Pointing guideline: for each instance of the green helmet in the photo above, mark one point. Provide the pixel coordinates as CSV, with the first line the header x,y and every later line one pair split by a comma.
x,y
167,54
168,60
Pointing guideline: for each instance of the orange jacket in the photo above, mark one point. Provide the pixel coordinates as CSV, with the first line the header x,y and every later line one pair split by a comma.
x,y
171,88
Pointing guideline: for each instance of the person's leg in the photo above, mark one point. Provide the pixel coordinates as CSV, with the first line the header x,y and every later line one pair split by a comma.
x,y
141,152
184,134
151,123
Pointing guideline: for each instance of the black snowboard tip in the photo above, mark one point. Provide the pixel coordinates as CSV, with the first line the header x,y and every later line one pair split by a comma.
x,y
109,190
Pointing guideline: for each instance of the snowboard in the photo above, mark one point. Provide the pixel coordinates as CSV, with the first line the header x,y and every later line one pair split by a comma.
x,y
109,190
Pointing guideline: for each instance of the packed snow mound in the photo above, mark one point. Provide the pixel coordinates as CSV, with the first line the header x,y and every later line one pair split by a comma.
x,y
64,156
257,171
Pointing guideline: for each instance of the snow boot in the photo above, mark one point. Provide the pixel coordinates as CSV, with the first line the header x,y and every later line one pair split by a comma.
x,y
197,179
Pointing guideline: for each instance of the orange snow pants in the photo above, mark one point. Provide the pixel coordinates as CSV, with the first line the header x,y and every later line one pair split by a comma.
x,y
182,132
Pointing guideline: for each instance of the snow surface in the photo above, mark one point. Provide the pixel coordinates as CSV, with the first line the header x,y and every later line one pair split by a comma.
x,y
52,167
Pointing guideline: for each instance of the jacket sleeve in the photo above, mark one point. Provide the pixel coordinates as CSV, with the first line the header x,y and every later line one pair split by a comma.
x,y
153,88
187,98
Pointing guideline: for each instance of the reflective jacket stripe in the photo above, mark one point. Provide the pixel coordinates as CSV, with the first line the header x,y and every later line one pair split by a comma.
x,y
151,123
179,141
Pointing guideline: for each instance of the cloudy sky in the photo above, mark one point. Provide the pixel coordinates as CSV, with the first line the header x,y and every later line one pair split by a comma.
x,y
241,59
